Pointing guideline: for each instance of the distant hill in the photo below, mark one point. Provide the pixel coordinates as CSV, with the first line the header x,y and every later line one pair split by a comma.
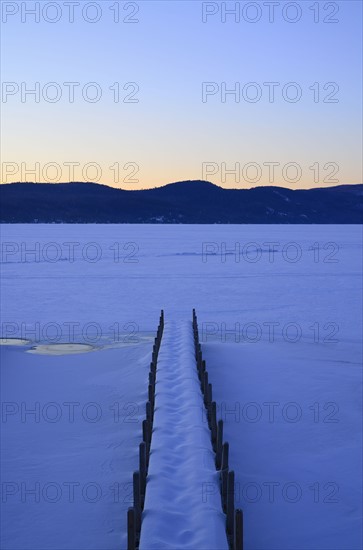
x,y
182,202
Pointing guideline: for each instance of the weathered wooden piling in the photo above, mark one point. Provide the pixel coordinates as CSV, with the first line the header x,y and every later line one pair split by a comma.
x,y
142,469
224,481
205,386
209,396
203,365
149,412
213,424
230,504
151,395
219,444
145,432
238,531
131,529
152,378
137,500
225,456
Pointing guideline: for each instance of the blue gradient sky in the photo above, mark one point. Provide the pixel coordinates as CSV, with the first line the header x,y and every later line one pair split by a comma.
x,y
170,132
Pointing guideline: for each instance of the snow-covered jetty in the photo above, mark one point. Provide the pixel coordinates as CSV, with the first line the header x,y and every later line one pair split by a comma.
x,y
187,499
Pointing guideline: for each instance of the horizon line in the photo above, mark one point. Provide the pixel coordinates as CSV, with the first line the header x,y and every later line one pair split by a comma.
x,y
178,182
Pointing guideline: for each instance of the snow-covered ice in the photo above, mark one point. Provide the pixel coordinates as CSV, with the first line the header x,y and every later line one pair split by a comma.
x,y
71,426
293,421
107,292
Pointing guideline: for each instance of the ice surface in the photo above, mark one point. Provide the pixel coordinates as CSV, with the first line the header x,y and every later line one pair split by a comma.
x,y
66,468
114,306
293,422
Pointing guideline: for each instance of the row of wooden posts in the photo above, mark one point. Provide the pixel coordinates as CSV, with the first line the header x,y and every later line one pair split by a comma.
x,y
234,518
134,513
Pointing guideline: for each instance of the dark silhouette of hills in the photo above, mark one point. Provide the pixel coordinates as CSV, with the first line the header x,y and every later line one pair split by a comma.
x,y
181,202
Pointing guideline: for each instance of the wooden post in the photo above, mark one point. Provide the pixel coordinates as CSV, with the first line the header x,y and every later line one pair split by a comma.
x,y
208,401
209,396
224,474
238,531
151,378
225,453
142,468
205,386
203,365
137,501
213,423
149,412
146,438
224,483
199,366
230,504
151,395
131,530
208,413
219,444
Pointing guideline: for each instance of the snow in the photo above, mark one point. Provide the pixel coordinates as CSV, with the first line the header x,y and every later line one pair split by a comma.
x,y
76,452
180,509
294,429
108,296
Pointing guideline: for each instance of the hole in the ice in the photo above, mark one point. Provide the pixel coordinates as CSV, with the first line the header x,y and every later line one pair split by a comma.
x,y
14,342
61,349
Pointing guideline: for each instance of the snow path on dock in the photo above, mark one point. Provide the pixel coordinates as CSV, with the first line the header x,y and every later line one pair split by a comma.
x,y
183,503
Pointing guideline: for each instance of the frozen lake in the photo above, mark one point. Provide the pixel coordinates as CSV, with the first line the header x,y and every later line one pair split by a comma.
x,y
279,311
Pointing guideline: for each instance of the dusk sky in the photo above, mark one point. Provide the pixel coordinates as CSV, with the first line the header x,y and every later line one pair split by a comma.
x,y
170,133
